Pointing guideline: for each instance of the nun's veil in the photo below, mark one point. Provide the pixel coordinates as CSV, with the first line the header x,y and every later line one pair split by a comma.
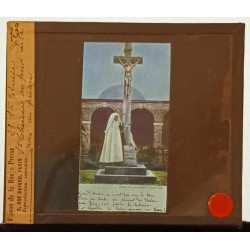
x,y
111,120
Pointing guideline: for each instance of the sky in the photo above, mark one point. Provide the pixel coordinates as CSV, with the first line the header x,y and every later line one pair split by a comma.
x,y
152,78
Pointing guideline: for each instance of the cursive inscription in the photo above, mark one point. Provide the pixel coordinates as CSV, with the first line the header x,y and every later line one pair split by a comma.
x,y
126,198
20,118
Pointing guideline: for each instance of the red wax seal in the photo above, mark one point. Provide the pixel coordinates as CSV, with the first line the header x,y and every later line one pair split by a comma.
x,y
220,205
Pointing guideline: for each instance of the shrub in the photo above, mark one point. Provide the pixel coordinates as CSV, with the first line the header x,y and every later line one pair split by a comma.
x,y
146,155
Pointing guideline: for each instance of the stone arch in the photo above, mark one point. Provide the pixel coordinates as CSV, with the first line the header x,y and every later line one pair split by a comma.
x,y
99,119
142,127
103,105
159,114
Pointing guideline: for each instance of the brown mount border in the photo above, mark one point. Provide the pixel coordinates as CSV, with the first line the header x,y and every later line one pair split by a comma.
x,y
58,97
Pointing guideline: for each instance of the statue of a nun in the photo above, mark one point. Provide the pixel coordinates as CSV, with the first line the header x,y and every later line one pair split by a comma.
x,y
112,146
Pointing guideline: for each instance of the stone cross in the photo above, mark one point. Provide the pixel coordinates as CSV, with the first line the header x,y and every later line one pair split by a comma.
x,y
128,62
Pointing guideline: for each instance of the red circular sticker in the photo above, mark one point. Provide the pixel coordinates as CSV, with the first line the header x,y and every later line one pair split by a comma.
x,y
220,205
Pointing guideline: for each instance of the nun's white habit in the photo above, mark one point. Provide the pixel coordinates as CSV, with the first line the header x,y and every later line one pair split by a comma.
x,y
112,146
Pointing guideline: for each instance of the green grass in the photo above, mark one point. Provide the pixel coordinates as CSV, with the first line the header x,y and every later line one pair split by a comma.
x,y
161,177
88,177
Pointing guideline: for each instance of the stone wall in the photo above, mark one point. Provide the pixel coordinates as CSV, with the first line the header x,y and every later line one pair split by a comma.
x,y
158,109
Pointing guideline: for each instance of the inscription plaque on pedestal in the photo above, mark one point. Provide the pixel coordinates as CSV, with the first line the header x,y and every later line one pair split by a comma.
x,y
129,155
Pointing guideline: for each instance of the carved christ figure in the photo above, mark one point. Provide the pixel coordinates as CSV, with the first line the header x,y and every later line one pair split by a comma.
x,y
128,74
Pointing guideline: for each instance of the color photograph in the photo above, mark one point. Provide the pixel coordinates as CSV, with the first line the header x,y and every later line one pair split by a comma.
x,y
124,121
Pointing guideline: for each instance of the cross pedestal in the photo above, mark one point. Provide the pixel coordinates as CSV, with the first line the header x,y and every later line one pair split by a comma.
x,y
129,156
128,62
131,172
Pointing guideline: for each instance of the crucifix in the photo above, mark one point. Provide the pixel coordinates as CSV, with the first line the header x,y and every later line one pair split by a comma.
x,y
128,62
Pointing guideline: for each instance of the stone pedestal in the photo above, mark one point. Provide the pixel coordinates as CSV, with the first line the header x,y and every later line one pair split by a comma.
x,y
125,175
130,173
129,156
122,170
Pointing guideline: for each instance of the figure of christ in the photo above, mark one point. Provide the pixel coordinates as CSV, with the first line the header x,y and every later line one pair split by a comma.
x,y
112,150
128,75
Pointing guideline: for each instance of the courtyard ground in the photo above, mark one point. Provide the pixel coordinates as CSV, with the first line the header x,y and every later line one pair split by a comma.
x,y
88,177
